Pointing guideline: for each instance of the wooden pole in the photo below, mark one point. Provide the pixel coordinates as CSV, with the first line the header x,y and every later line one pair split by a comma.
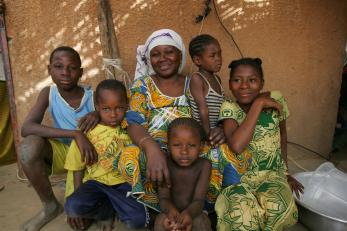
x,y
108,37
9,82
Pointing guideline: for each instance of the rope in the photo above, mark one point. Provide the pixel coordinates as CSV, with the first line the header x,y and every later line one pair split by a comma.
x,y
225,29
120,74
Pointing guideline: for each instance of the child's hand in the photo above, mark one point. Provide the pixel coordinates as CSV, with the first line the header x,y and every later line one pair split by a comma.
x,y
185,222
170,222
216,136
157,170
87,150
295,185
267,102
77,223
88,121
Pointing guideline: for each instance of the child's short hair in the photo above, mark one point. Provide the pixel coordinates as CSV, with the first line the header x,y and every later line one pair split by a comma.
x,y
67,49
197,44
254,62
189,122
110,84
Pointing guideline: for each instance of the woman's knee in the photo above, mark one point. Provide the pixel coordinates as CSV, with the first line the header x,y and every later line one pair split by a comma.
x,y
32,148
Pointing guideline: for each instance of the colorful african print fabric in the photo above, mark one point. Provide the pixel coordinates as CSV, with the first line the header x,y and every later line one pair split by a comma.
x,y
108,143
153,110
227,168
263,200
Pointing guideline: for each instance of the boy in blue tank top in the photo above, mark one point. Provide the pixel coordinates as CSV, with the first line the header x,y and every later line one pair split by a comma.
x,y
43,148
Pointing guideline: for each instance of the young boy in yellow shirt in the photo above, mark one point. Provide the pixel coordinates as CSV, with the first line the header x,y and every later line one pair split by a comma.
x,y
100,192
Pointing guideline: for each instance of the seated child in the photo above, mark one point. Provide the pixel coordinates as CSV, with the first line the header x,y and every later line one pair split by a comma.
x,y
103,193
263,200
43,148
206,93
181,205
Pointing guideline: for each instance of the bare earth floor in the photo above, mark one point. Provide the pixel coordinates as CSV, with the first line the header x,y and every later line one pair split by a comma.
x,y
18,201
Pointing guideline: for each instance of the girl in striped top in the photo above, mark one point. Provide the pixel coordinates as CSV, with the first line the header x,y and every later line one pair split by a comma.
x,y
206,94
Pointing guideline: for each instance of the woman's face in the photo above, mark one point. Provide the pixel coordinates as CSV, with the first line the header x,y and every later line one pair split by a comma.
x,y
165,60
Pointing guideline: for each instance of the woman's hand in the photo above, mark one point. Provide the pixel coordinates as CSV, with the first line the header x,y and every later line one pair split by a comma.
x,y
88,121
295,185
87,150
216,136
156,169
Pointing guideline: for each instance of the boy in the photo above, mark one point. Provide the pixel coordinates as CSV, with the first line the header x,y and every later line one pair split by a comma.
x,y
67,102
182,203
104,190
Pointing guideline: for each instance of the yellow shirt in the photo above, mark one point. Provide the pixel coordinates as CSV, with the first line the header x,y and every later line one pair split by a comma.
x,y
108,143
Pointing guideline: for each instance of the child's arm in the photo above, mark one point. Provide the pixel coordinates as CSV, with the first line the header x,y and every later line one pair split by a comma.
x,y
166,205
198,90
238,137
77,178
295,185
89,121
197,204
32,126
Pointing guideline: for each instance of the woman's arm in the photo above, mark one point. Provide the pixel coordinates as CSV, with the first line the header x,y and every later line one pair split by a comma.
x,y
157,170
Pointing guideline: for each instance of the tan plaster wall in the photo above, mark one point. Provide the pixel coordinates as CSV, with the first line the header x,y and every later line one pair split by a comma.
x,y
301,44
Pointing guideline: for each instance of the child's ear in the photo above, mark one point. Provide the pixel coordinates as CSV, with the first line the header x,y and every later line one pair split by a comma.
x,y
197,60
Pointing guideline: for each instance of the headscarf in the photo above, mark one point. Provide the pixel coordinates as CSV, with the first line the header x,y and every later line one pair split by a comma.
x,y
157,38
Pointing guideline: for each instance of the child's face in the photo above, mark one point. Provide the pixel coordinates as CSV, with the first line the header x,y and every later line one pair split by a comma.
x,y
211,59
165,60
184,145
111,106
245,84
65,70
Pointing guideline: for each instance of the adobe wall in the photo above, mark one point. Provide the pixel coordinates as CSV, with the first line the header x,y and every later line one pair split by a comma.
x,y
301,43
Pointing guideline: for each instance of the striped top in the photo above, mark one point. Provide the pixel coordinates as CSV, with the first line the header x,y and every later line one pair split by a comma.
x,y
213,100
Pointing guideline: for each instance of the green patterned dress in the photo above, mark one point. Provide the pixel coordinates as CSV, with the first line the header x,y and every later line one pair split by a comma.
x,y
263,200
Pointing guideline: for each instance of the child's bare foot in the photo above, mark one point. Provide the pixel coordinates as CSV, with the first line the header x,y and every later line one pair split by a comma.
x,y
48,213
106,225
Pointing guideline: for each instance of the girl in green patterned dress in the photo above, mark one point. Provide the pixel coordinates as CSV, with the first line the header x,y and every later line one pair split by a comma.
x,y
257,121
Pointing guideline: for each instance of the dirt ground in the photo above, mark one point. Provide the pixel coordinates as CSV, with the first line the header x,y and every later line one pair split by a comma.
x,y
19,202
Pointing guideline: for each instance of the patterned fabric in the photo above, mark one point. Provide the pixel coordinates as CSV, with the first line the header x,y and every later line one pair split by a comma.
x,y
265,143
227,168
154,110
264,199
213,100
108,143
63,115
261,202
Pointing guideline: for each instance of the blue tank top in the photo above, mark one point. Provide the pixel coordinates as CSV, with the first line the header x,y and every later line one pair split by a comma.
x,y
63,115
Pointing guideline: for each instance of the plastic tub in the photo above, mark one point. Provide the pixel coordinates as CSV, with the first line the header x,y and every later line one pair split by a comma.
x,y
323,206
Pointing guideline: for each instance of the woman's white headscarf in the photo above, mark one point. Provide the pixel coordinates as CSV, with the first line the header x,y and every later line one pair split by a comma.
x,y
157,38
